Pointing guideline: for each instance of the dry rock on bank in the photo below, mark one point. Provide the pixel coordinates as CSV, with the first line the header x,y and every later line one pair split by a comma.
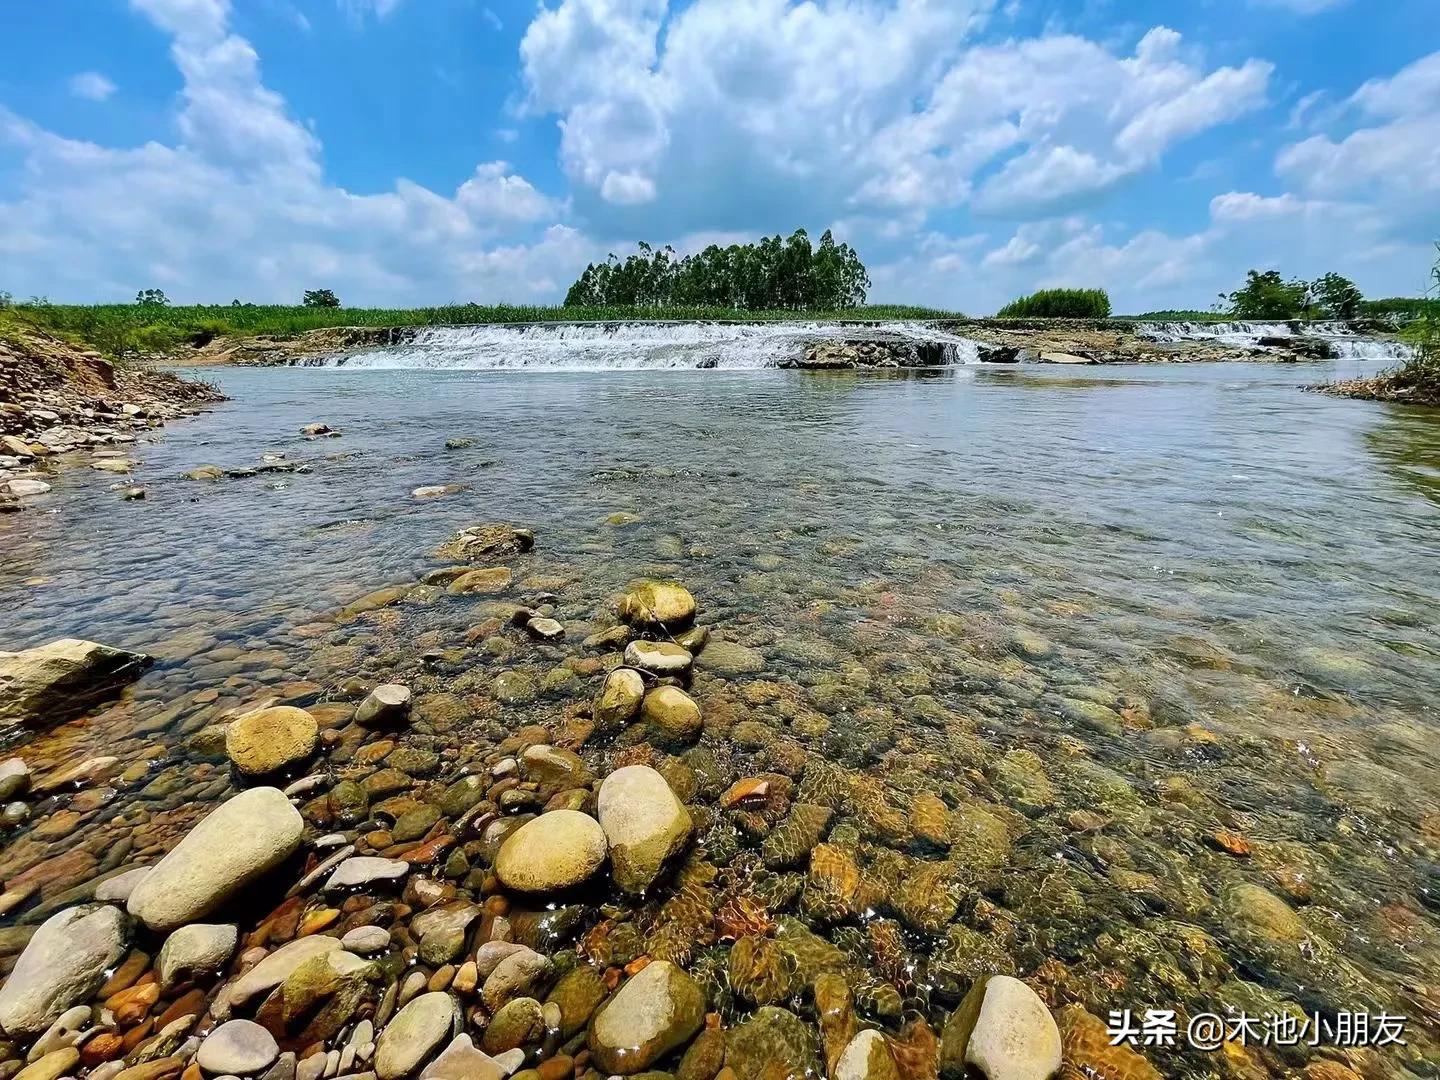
x,y
46,684
238,843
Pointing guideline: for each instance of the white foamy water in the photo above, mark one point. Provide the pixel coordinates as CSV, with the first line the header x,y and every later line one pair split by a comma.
x,y
630,346
1345,343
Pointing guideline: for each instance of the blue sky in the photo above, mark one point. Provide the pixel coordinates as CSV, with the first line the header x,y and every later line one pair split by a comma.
x,y
425,151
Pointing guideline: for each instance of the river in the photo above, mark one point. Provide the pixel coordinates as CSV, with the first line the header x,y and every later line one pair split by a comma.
x,y
1172,627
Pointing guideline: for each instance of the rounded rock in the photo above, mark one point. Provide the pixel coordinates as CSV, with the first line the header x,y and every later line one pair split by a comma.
x,y
268,740
619,699
652,1014
673,716
554,851
644,824
657,603
63,964
414,1033
239,842
237,1048
658,657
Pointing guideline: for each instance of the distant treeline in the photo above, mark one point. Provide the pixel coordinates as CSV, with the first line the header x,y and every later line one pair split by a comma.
x,y
771,275
1059,304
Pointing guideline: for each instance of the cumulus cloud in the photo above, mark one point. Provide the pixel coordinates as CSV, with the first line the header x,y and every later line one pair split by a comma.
x,y
856,108
91,86
239,207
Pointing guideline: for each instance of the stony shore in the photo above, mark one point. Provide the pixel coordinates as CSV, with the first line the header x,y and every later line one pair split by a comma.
x,y
60,405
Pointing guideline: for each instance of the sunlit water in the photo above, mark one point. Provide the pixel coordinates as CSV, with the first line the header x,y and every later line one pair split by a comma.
x,y
1206,600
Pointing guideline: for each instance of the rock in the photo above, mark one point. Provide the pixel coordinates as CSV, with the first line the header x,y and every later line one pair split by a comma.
x,y
268,740
658,657
517,975
462,1061
64,963
1064,358
577,994
274,969
199,947
619,699
43,685
238,843
518,1023
553,770
14,778
545,629
773,1038
729,659
657,603
388,703
117,890
487,582
673,716
365,940
237,1048
656,1011
867,1057
514,688
52,1066
480,541
315,431
644,823
1004,1030
414,1033
554,851
24,485
205,472
361,870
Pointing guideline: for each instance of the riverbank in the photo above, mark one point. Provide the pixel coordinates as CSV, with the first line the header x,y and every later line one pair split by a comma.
x,y
61,405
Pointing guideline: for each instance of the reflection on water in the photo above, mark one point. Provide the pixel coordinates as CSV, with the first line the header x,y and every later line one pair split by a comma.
x,y
1163,643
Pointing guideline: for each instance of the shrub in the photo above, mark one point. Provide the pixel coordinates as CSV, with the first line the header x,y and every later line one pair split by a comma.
x,y
1059,304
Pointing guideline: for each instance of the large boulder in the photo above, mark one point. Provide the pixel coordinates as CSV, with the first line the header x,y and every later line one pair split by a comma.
x,y
653,1013
554,851
644,823
268,740
63,964
48,683
238,843
657,603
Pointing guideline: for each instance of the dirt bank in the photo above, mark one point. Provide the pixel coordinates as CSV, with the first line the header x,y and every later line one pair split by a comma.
x,y
57,400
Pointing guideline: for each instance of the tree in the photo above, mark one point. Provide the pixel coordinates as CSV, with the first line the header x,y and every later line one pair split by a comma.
x,y
320,298
1268,296
1059,304
790,274
152,298
1337,297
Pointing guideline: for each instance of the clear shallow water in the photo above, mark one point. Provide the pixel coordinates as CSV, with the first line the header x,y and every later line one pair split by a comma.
x,y
1242,577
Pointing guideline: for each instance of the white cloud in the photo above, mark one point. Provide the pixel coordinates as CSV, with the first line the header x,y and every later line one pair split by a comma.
x,y
239,207
91,86
849,107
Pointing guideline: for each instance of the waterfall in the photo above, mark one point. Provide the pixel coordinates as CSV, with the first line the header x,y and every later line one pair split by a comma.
x,y
626,346
1343,341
